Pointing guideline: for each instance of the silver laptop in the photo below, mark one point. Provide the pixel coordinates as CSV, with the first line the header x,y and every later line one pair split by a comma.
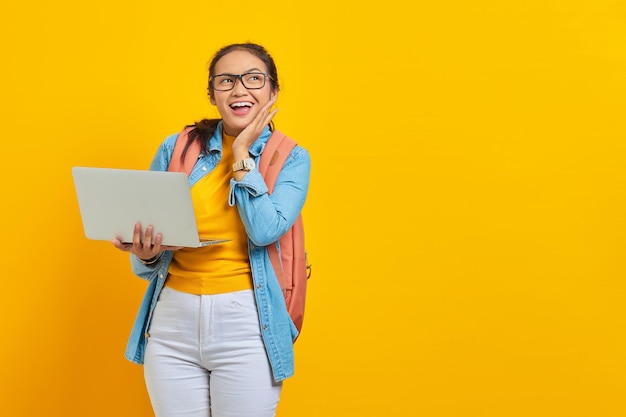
x,y
112,200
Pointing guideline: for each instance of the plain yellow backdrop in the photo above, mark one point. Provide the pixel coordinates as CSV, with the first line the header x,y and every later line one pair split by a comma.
x,y
465,219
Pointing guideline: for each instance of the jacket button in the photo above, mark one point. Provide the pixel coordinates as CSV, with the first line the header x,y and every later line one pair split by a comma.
x,y
265,327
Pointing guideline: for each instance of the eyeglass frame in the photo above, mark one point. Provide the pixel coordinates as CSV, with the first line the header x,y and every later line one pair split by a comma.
x,y
240,78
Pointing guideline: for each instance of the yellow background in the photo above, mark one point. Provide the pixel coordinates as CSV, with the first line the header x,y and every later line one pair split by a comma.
x,y
465,219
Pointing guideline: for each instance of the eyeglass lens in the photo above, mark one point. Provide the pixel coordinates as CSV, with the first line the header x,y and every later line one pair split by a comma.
x,y
251,80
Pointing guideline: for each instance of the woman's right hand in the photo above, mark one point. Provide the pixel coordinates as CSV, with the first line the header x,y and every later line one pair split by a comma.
x,y
142,246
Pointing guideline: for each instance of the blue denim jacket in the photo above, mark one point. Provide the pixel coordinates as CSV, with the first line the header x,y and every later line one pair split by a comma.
x,y
266,218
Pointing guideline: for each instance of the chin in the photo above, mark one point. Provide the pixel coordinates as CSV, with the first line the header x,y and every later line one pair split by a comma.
x,y
237,127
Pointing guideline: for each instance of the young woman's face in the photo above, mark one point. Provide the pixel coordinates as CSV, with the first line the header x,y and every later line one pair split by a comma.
x,y
239,106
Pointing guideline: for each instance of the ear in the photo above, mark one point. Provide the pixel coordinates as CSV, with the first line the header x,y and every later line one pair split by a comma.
x,y
212,100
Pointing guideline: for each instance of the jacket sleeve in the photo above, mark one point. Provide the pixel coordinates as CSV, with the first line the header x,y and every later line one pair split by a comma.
x,y
147,272
267,217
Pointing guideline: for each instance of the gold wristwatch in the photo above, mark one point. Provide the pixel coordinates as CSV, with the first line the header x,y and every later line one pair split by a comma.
x,y
244,165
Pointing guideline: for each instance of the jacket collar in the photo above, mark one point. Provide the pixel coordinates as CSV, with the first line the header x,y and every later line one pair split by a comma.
x,y
215,143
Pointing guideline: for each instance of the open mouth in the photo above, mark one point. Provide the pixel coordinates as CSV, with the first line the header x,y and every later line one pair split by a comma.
x,y
241,107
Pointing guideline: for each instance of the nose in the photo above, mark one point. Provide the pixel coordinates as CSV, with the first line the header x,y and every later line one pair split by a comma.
x,y
239,88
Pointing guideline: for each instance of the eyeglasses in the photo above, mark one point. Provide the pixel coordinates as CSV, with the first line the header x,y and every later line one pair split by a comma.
x,y
250,80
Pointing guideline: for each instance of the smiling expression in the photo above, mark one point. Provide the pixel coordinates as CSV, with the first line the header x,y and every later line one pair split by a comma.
x,y
239,106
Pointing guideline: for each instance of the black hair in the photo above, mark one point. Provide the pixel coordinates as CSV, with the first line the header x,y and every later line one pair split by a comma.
x,y
205,128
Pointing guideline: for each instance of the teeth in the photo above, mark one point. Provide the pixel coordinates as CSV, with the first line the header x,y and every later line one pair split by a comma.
x,y
241,104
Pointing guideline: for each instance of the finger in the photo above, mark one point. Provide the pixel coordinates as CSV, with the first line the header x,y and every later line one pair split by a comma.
x,y
158,239
265,116
258,122
147,238
270,116
266,120
120,245
265,110
137,234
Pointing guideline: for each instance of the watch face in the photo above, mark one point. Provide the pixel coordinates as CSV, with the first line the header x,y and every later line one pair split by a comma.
x,y
248,163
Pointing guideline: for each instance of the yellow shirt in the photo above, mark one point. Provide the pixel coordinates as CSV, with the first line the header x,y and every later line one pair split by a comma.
x,y
220,268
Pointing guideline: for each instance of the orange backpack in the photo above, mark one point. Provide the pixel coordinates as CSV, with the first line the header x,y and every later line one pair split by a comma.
x,y
290,266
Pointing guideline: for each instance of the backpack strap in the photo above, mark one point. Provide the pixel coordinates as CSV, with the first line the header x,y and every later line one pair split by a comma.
x,y
191,157
272,160
274,155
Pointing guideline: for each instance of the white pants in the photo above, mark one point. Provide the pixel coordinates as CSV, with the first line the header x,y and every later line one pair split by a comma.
x,y
205,357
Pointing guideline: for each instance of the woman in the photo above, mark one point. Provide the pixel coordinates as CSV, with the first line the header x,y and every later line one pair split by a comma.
x,y
213,331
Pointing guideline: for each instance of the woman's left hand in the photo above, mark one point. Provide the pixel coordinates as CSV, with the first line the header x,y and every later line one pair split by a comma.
x,y
253,130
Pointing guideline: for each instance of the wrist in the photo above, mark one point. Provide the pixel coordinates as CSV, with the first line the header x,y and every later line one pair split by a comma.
x,y
152,260
246,164
240,152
